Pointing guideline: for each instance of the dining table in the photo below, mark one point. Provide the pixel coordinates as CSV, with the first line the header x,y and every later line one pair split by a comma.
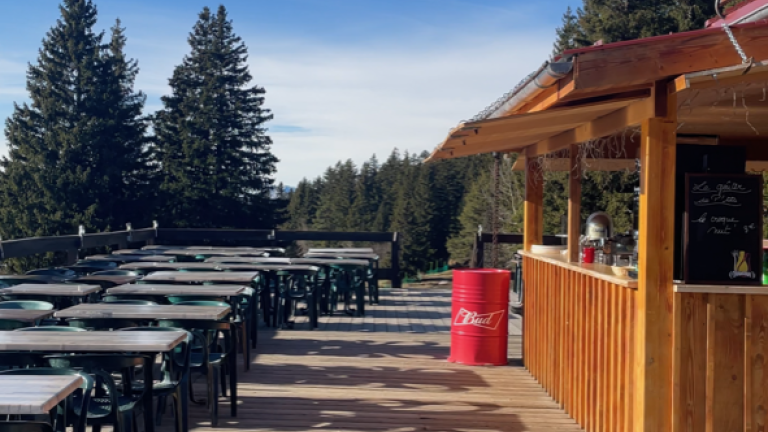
x,y
27,316
60,294
215,290
199,277
143,312
35,394
143,342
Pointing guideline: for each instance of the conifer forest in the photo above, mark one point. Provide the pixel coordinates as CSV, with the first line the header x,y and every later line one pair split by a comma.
x,y
84,151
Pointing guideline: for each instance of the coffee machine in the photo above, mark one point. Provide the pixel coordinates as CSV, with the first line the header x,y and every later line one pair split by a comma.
x,y
599,228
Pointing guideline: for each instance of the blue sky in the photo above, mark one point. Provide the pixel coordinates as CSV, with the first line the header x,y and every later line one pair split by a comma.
x,y
344,78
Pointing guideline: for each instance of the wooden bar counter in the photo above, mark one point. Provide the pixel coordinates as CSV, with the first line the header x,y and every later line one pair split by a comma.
x,y
578,338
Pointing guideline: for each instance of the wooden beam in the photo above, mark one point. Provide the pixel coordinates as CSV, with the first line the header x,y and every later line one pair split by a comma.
x,y
723,77
608,124
574,204
549,97
653,362
533,210
649,60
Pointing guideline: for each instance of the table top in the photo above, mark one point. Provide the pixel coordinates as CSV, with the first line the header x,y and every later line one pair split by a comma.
x,y
169,266
132,257
116,279
24,315
166,289
63,290
268,267
244,277
35,394
212,252
365,256
328,261
341,250
91,341
124,311
248,260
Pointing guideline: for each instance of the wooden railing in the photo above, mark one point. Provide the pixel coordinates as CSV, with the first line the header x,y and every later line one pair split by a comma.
x,y
578,340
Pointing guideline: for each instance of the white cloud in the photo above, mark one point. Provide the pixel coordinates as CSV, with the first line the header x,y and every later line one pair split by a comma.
x,y
356,102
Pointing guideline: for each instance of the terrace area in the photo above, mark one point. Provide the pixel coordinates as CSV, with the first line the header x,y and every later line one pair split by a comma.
x,y
386,371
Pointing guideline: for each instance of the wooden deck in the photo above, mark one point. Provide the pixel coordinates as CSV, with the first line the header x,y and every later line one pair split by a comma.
x,y
385,372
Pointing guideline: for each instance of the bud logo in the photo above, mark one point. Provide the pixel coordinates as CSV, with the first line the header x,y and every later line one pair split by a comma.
x,y
488,321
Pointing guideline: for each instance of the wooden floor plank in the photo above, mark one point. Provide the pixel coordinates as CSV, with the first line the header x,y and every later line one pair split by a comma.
x,y
385,372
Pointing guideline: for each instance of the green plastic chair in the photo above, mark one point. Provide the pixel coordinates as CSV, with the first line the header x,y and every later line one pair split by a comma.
x,y
103,323
52,329
110,405
7,324
209,357
175,382
25,359
53,271
77,404
116,273
27,305
112,300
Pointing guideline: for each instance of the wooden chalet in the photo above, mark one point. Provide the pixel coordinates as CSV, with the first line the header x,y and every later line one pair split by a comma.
x,y
645,354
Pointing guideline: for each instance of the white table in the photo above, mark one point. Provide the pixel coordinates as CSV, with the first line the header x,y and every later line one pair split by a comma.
x,y
33,394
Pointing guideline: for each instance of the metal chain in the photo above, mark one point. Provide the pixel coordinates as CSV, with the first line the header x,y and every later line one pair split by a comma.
x,y
735,43
495,215
731,37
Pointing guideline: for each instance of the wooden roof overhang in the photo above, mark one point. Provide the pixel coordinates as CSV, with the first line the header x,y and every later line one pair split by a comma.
x,y
612,87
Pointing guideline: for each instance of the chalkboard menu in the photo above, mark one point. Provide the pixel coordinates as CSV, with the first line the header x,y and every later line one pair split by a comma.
x,y
723,229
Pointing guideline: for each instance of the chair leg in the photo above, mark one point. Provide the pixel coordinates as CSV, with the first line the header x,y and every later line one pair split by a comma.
x,y
246,346
214,399
191,392
161,402
223,383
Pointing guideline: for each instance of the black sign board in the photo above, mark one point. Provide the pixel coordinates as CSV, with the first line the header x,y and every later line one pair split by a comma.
x,y
723,229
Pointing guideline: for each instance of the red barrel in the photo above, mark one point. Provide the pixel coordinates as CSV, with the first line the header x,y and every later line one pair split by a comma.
x,y
479,317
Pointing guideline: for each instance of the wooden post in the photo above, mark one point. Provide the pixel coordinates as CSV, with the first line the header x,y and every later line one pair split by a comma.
x,y
652,408
574,204
478,252
395,258
72,256
533,212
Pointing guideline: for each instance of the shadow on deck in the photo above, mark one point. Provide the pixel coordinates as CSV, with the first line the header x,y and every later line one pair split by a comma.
x,y
384,372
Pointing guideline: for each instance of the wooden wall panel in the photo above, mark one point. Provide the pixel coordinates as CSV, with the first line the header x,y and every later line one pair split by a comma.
x,y
691,359
725,363
756,416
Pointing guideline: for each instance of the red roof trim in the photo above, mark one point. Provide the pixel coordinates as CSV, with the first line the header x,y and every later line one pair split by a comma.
x,y
659,39
739,11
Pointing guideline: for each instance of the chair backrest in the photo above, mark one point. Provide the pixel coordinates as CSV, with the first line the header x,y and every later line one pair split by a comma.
x,y
185,299
203,303
102,323
53,329
25,426
116,273
27,304
178,364
54,271
85,398
113,300
6,324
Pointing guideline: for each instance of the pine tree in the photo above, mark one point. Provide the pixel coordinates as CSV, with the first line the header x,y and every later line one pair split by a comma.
x,y
363,211
476,211
412,213
76,152
568,34
214,151
336,198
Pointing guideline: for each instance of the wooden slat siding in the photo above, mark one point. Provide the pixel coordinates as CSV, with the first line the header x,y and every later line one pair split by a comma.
x,y
725,363
758,385
621,361
580,332
599,354
613,392
629,372
690,361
